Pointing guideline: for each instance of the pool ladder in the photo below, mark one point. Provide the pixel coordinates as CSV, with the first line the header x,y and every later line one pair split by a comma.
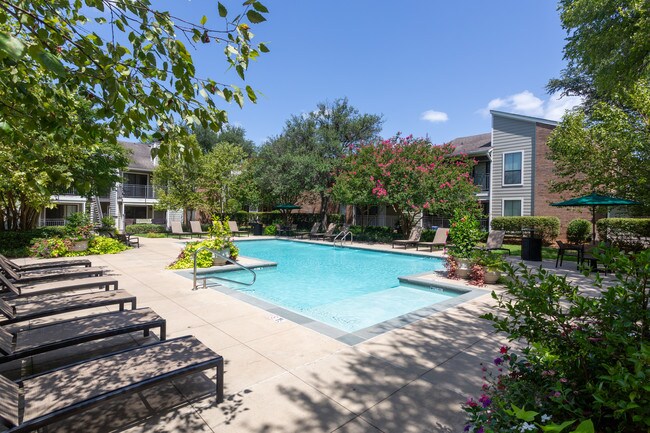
x,y
342,236
228,259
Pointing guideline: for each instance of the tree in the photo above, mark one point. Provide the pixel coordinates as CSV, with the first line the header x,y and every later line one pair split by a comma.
x,y
221,170
123,56
207,138
408,174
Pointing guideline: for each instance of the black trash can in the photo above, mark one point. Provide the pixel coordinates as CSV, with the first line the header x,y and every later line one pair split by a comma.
x,y
531,245
258,229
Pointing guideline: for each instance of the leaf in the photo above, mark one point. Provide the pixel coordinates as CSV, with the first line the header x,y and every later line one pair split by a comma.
x,y
263,48
255,17
51,62
585,426
11,46
556,428
260,7
204,20
251,94
222,10
523,414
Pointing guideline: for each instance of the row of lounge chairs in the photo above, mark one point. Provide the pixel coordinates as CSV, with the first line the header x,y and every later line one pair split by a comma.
x,y
494,241
48,289
195,226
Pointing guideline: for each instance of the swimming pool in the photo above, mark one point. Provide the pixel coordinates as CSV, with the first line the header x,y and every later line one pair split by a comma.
x,y
346,288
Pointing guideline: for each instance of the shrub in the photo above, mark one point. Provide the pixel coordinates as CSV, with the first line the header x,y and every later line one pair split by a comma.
x,y
18,243
548,228
629,234
271,230
586,359
105,245
578,231
78,226
145,228
50,248
464,234
185,259
108,224
380,234
427,235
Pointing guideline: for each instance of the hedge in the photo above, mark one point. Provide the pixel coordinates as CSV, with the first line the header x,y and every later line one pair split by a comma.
x,y
546,227
374,234
17,243
630,234
303,220
145,228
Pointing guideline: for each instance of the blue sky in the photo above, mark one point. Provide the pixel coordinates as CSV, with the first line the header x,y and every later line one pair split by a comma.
x,y
429,67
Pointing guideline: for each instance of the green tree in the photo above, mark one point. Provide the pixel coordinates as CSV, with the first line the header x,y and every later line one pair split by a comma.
x,y
207,138
408,174
221,171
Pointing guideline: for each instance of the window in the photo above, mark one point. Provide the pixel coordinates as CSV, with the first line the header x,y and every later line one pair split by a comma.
x,y
511,207
512,168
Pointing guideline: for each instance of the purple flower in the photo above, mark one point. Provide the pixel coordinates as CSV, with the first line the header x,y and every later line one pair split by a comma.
x,y
485,400
466,428
498,361
480,430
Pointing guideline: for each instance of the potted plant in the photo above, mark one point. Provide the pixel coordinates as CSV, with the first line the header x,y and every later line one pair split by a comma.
x,y
79,231
492,264
465,234
221,242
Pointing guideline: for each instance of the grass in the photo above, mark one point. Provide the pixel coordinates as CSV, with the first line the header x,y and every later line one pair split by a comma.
x,y
548,253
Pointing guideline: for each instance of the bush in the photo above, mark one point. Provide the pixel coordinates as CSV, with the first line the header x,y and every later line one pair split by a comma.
x,y
145,228
50,247
546,227
185,259
271,230
104,245
373,234
18,243
578,231
464,234
586,359
629,234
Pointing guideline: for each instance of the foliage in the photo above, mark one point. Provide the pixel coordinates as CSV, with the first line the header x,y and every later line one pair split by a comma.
x,y
477,275
308,153
464,234
208,139
427,235
452,265
105,245
78,226
578,231
491,260
373,234
108,224
270,230
145,228
50,247
546,227
630,234
220,240
599,345
408,174
17,243
145,85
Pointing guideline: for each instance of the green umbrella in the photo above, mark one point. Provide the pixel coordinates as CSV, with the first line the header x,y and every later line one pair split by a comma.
x,y
286,209
594,200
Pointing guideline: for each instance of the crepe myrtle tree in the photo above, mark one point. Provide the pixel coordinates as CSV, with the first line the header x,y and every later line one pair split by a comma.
x,y
132,61
408,174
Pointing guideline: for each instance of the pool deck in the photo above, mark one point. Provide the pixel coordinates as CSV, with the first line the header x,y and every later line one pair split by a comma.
x,y
283,377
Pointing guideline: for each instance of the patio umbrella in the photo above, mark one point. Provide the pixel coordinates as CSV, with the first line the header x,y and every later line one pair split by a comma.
x,y
592,200
286,209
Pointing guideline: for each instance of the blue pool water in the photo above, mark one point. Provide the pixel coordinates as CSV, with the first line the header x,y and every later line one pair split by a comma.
x,y
349,289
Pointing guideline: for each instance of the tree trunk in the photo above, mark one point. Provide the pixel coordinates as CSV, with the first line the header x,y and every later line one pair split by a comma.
x,y
324,201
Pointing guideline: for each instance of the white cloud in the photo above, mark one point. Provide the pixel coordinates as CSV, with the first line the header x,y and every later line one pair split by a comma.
x,y
434,116
528,104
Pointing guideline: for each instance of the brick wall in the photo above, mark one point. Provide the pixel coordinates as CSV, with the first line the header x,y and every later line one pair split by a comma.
x,y
543,176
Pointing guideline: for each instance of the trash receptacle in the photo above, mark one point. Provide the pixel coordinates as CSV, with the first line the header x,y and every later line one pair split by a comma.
x,y
531,245
258,229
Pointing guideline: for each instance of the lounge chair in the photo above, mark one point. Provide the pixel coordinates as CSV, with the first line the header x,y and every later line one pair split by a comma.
x,y
45,264
33,307
49,274
235,229
439,240
128,240
196,228
494,242
414,238
18,343
54,395
563,248
39,288
177,229
326,234
313,231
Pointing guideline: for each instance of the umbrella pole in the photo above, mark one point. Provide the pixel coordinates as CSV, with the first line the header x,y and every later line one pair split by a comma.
x,y
593,225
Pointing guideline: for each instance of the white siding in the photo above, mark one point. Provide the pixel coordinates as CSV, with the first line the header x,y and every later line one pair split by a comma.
x,y
511,135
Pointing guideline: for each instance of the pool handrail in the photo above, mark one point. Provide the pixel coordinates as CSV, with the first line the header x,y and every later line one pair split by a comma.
x,y
228,259
342,235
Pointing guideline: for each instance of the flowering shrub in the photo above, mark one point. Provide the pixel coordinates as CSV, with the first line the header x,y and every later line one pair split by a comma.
x,y
49,248
587,359
78,227
452,267
220,241
477,275
465,233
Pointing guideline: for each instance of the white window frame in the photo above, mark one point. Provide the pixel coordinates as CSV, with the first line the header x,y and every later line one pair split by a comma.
x,y
503,205
503,169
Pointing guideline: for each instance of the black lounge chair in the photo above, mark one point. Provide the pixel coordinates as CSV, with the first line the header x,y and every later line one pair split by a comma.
x,y
54,395
17,343
414,238
33,307
45,264
49,274
39,288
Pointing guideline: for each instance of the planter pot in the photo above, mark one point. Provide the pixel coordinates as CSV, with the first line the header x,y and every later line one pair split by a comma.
x,y
491,277
464,268
218,260
81,245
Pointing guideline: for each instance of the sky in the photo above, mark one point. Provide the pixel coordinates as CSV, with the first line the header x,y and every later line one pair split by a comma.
x,y
430,68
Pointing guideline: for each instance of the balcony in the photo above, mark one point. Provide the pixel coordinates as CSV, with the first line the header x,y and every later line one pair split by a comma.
x,y
131,190
482,181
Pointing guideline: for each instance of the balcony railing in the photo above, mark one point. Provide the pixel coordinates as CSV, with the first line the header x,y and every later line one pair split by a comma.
x,y
54,222
138,191
482,181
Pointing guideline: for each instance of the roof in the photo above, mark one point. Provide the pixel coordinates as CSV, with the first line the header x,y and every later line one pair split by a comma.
x,y
473,144
524,118
140,158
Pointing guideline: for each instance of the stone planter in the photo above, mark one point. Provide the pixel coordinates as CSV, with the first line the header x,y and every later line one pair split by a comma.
x,y
491,277
218,260
81,245
464,268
